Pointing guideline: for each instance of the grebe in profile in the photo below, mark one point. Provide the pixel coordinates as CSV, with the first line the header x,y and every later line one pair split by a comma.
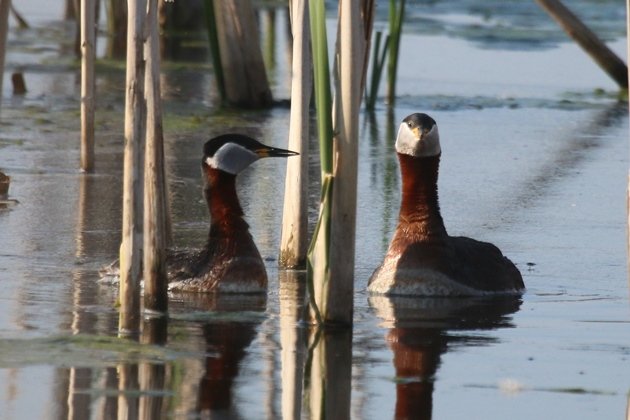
x,y
422,259
230,261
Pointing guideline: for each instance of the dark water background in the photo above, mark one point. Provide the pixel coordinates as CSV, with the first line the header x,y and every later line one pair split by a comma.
x,y
535,158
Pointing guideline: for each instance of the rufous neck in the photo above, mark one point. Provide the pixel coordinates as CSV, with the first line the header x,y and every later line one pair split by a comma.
x,y
419,192
223,205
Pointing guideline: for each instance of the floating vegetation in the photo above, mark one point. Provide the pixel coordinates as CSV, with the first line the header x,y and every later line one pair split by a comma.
x,y
513,386
569,101
82,350
499,24
5,142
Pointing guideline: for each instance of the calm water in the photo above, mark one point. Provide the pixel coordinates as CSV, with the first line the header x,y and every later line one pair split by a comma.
x,y
535,158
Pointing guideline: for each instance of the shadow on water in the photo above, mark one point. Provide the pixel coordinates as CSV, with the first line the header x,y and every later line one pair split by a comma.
x,y
421,330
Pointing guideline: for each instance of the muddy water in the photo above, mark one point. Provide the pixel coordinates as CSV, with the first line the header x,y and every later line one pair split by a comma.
x,y
535,160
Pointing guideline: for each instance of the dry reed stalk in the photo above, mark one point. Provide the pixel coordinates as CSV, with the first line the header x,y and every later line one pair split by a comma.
x,y
294,241
245,80
155,225
88,94
5,7
580,33
332,258
135,119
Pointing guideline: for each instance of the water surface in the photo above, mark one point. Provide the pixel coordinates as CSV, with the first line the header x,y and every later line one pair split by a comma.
x,y
535,160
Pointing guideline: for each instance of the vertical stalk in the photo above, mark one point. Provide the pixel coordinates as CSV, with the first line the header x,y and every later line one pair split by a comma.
x,y
246,83
5,6
294,215
155,226
628,188
88,46
323,101
317,265
70,11
215,54
4,185
267,19
350,58
378,62
332,258
135,119
319,250
116,30
395,29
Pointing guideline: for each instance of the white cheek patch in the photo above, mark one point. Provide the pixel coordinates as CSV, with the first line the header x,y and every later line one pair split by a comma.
x,y
430,144
232,158
407,143
405,140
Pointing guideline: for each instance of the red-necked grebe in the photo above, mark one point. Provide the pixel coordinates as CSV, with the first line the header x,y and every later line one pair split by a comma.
x,y
422,259
230,261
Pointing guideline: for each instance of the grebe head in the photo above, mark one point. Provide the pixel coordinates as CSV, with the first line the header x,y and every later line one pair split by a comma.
x,y
418,136
232,153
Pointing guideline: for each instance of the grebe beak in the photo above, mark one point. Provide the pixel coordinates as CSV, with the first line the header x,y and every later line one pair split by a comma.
x,y
266,151
417,133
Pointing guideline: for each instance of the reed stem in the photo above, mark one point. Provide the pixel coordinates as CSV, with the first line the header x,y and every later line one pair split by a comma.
x,y
215,53
378,63
396,13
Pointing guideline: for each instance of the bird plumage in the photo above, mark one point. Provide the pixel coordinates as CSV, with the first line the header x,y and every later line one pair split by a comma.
x,y
230,262
422,259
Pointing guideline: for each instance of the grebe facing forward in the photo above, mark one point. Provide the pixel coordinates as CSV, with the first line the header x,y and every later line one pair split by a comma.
x,y
422,258
230,261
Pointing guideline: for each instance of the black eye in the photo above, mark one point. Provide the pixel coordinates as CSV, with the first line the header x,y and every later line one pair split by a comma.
x,y
410,124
